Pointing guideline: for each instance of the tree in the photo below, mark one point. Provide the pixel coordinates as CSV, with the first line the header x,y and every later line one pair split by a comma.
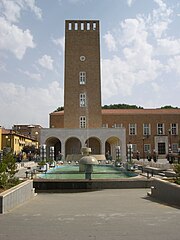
x,y
8,169
59,109
121,106
168,107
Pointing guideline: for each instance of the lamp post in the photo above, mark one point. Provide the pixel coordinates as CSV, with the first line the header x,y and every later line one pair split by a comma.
x,y
118,151
143,150
43,152
129,155
170,149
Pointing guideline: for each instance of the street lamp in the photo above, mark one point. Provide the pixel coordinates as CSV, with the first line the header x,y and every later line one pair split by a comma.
x,y
143,150
43,152
118,151
170,149
129,154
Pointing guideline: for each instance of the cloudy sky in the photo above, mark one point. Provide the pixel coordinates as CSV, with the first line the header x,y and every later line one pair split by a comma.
x,y
140,54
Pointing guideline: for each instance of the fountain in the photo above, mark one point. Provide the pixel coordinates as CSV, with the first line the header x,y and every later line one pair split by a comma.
x,y
86,162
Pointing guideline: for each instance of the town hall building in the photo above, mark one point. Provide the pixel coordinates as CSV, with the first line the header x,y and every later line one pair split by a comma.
x,y
83,121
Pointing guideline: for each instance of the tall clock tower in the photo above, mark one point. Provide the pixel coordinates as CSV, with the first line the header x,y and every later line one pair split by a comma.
x,y
82,84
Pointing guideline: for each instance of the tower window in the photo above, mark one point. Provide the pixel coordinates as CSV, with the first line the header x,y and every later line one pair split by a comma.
x,y
82,122
70,26
88,26
76,26
82,26
82,77
94,26
82,100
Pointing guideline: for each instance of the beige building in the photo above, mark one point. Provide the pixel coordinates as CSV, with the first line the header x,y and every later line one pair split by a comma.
x,y
84,122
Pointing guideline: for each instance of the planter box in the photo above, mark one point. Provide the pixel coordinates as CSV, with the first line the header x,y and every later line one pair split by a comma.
x,y
16,196
165,191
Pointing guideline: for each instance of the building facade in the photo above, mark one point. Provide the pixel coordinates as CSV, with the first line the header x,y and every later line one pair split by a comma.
x,y
84,122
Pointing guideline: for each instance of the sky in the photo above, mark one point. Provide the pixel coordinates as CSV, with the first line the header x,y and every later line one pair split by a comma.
x,y
140,54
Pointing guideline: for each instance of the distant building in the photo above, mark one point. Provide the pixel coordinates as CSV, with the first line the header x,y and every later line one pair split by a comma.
x,y
15,142
29,130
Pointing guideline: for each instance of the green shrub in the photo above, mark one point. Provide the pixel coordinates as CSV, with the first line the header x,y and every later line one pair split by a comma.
x,y
8,169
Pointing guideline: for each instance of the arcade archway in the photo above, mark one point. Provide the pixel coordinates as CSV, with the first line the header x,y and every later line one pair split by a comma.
x,y
72,146
95,145
53,142
110,146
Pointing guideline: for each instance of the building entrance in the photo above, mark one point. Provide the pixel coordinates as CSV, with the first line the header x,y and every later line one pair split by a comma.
x,y
162,148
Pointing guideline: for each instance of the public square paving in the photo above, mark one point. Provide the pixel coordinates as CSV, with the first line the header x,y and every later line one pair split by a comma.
x,y
119,214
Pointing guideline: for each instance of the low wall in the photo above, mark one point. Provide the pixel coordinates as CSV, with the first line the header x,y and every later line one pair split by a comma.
x,y
55,185
165,191
16,196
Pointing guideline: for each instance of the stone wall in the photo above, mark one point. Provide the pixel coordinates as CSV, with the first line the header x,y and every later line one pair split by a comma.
x,y
165,191
16,196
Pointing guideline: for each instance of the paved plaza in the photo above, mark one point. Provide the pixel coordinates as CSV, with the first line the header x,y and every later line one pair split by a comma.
x,y
120,214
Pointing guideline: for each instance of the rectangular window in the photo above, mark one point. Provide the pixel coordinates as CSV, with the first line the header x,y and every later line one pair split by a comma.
x,y
105,125
82,123
160,128
134,148
132,129
174,129
82,77
175,147
116,125
146,129
147,148
82,99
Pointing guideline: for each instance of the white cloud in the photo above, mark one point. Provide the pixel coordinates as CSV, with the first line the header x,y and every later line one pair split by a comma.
x,y
160,19
36,10
130,2
59,42
157,88
140,45
15,39
174,64
28,105
110,41
11,10
46,62
33,76
168,46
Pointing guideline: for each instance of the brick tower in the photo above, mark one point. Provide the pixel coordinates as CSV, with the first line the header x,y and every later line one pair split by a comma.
x,y
82,84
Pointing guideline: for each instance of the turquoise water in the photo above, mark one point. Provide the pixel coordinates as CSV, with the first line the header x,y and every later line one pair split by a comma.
x,y
99,172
